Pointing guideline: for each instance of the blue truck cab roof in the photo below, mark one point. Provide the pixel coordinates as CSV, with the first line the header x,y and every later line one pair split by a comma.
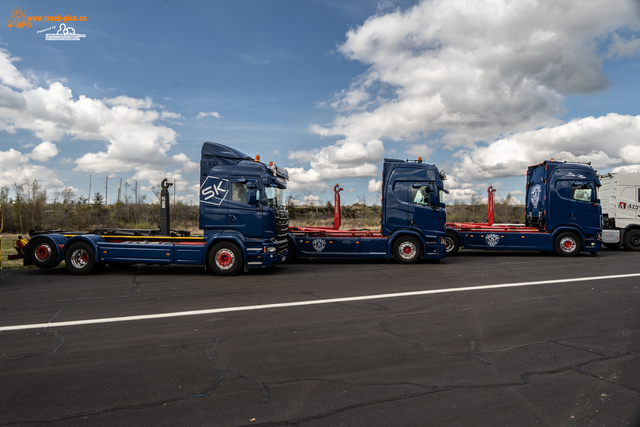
x,y
231,162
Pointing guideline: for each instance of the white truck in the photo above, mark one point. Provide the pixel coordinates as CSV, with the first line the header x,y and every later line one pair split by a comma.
x,y
620,201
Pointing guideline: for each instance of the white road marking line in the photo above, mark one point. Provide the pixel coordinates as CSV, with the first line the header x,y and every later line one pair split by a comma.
x,y
302,303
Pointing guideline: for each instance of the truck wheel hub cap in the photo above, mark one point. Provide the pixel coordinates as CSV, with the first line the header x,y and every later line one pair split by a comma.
x,y
43,252
448,242
407,250
225,259
567,244
79,258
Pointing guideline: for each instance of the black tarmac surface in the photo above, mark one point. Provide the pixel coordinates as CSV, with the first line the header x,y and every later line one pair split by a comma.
x,y
558,354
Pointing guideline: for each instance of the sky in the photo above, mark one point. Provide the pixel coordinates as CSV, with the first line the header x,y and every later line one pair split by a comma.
x,y
325,88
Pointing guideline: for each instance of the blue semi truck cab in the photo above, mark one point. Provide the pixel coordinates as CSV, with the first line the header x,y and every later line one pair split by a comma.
x,y
242,216
563,215
412,225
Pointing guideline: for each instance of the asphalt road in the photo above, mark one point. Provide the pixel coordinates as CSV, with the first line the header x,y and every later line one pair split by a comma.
x,y
544,354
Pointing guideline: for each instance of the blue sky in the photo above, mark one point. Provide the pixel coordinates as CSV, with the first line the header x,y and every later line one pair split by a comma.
x,y
324,88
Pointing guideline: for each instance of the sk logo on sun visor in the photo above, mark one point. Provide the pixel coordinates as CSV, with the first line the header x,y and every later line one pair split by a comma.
x,y
214,190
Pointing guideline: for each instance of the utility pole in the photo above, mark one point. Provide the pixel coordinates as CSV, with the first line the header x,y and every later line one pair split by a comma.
x,y
119,190
106,191
174,191
89,189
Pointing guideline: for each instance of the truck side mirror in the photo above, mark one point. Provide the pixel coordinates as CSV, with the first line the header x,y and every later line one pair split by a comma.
x,y
252,193
252,198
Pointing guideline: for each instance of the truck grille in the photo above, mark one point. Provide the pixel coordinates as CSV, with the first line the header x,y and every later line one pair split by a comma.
x,y
282,222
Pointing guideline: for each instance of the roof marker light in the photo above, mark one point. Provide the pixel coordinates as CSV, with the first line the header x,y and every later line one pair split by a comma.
x,y
257,157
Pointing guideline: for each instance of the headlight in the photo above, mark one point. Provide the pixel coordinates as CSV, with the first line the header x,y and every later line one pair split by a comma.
x,y
270,249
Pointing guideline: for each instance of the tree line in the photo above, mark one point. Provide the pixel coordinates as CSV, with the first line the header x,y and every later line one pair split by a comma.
x,y
31,208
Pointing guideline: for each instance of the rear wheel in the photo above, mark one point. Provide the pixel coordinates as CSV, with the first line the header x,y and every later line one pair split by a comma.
x,y
43,253
567,244
225,259
632,240
406,250
80,258
452,243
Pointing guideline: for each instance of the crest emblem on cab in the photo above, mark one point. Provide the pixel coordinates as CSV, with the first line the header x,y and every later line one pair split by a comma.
x,y
319,244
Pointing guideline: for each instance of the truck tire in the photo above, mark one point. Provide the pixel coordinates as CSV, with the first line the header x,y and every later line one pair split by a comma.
x,y
406,250
632,240
567,244
452,243
225,259
80,258
291,256
43,253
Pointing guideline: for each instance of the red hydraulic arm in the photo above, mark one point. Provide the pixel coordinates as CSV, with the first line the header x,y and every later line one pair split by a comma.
x,y
336,207
490,192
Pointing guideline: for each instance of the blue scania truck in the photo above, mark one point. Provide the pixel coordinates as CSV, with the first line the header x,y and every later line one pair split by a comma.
x,y
563,215
242,215
412,224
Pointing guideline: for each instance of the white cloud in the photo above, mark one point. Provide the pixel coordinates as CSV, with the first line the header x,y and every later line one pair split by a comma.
x,y
311,200
374,186
134,141
419,150
346,159
483,76
608,141
202,115
44,151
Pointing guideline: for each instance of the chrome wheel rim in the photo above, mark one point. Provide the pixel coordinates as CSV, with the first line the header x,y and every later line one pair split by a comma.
x,y
407,250
79,258
568,244
225,259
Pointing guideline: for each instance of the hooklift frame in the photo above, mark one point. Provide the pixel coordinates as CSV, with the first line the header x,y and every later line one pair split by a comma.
x,y
566,236
419,237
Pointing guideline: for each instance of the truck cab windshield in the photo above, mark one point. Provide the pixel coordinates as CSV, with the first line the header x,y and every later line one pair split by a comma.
x,y
274,197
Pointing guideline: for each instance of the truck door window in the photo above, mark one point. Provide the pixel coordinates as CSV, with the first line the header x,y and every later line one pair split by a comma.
x,y
420,195
581,192
239,192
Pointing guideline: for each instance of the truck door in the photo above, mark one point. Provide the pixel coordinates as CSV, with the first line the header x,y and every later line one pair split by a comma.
x,y
582,206
424,206
214,200
396,206
627,209
242,216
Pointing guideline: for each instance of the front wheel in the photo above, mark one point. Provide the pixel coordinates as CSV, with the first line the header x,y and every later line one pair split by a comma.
x,y
632,240
452,243
80,258
291,249
406,250
43,253
225,259
567,244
